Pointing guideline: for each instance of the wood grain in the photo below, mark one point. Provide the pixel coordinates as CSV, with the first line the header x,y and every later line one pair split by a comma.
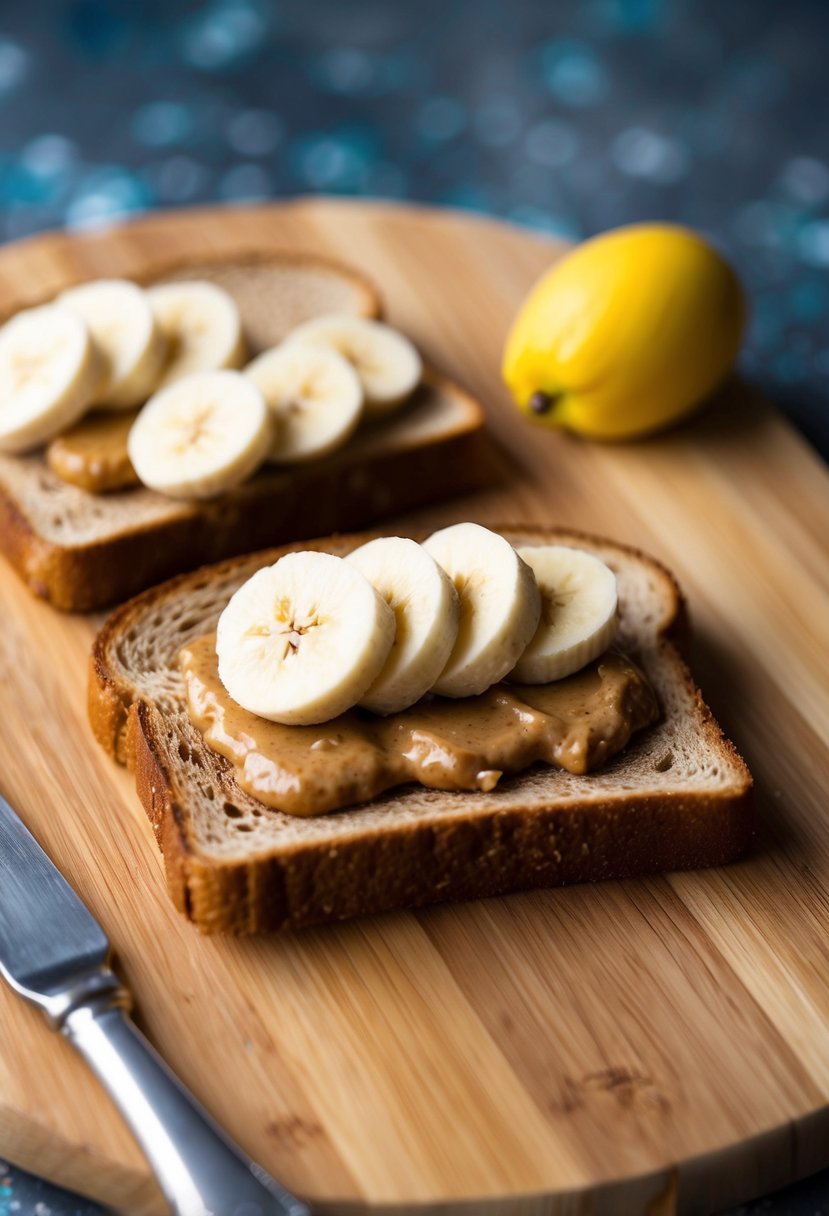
x,y
658,1046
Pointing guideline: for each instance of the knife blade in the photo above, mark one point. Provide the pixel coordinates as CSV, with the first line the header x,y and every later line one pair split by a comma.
x,y
47,935
55,954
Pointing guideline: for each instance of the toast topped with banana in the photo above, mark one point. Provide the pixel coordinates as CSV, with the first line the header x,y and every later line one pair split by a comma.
x,y
214,408
363,723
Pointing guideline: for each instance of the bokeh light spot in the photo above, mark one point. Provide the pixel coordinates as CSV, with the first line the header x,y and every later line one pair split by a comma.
x,y
161,123
574,74
14,63
646,154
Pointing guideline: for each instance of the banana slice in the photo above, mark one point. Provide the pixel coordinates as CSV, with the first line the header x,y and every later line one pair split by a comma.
x,y
500,607
578,614
426,611
387,363
201,325
302,640
49,370
201,435
123,326
315,395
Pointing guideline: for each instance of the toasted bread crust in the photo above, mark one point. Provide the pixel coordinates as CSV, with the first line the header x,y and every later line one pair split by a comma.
x,y
22,547
422,861
165,817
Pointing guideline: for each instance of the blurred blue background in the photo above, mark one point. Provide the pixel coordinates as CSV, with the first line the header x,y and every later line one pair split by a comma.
x,y
570,117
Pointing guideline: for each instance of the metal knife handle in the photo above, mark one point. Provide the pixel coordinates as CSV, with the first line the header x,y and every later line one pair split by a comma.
x,y
200,1171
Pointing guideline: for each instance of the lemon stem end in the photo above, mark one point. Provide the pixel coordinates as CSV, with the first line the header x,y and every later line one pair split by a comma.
x,y
542,403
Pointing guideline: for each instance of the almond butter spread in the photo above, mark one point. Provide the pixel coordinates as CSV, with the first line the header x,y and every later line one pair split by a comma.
x,y
93,454
467,744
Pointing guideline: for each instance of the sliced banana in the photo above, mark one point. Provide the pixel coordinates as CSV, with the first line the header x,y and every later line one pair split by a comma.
x,y
201,435
387,363
426,612
201,325
49,370
500,606
123,326
315,395
302,640
578,613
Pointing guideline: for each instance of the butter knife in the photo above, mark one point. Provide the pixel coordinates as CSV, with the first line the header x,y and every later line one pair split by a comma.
x,y
54,953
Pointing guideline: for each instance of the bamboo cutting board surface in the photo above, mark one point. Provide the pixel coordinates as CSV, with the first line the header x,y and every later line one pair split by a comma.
x,y
657,1046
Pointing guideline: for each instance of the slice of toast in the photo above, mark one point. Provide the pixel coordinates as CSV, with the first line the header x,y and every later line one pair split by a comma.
x,y
82,551
678,797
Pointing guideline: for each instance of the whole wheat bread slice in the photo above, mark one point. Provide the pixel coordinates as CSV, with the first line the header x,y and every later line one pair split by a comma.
x,y
82,551
678,797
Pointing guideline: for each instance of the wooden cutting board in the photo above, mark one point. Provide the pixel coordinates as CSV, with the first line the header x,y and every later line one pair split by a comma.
x,y
656,1046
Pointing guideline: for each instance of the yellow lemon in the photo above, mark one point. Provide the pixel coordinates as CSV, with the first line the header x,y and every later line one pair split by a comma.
x,y
626,334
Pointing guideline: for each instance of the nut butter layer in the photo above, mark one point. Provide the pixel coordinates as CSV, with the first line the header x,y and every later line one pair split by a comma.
x,y
576,724
93,454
